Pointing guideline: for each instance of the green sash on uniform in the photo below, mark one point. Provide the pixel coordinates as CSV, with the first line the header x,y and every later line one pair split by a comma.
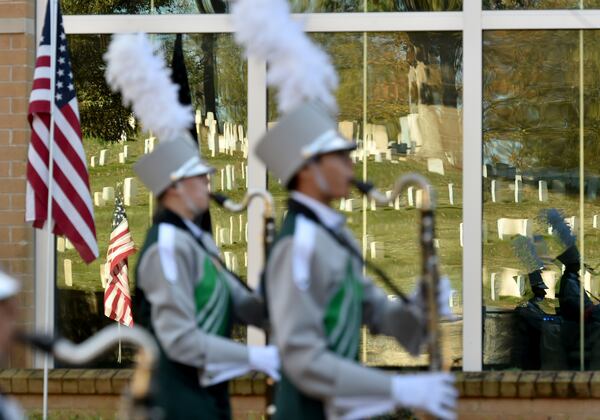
x,y
342,321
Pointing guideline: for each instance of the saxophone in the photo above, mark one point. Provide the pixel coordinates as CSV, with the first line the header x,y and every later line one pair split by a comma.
x,y
429,260
137,399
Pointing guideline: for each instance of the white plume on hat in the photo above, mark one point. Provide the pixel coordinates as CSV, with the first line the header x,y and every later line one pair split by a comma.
x,y
136,68
297,67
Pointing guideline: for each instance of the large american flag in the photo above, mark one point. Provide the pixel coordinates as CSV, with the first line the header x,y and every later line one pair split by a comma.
x,y
117,300
72,210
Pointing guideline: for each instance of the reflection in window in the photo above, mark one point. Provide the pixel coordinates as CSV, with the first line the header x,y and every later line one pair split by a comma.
x,y
532,199
413,124
113,142
539,4
75,7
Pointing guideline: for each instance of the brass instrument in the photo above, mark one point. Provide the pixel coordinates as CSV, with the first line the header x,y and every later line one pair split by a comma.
x,y
136,402
269,233
268,211
430,262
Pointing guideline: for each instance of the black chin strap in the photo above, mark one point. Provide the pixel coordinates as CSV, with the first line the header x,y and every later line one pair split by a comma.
x,y
299,208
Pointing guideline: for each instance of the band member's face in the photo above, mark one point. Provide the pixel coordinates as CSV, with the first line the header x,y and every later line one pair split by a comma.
x,y
337,169
196,190
8,323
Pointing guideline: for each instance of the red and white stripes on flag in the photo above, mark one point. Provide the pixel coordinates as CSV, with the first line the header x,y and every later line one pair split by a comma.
x,y
117,300
72,209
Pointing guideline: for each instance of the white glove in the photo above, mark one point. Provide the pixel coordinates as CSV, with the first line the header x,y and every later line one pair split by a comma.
x,y
432,392
265,359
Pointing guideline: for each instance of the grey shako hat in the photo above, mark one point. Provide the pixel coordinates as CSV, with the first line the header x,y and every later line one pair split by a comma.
x,y
169,162
306,132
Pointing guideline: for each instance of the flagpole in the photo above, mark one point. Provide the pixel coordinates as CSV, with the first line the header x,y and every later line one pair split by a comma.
x,y
49,221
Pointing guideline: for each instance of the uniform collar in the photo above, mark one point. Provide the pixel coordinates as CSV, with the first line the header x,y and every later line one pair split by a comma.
x,y
170,217
328,216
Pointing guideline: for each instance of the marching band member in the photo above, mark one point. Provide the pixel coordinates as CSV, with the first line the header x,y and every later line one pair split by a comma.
x,y
186,297
318,298
183,294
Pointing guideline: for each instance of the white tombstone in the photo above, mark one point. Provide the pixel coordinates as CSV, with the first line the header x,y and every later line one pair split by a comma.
x,y
518,190
388,155
419,199
216,235
241,227
60,244
108,194
210,117
230,229
542,191
68,265
496,191
93,162
410,193
485,171
351,204
234,263
121,158
245,259
573,223
508,282
380,138
227,257
435,165
240,132
230,181
377,250
373,205
436,243
451,194
461,235
129,191
222,143
510,227
595,221
69,245
397,203
246,232
550,281
223,179
378,157
346,129
103,157
404,130
98,200
342,204
388,194
224,236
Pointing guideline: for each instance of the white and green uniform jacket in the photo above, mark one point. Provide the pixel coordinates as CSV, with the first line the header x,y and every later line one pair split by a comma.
x,y
318,300
189,303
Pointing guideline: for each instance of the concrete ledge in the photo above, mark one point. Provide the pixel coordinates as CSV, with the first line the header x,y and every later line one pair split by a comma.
x,y
98,382
16,26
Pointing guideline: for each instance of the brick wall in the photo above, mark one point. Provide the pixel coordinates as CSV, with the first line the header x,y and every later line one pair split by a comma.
x,y
17,58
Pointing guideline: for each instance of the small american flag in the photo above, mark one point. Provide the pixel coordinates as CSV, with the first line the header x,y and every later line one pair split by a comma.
x,y
72,210
117,300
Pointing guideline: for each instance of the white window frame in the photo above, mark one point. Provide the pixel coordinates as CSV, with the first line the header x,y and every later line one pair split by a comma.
x,y
472,21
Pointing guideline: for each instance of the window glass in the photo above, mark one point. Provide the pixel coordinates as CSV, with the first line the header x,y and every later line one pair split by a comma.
x,y
539,4
413,123
78,7
537,208
113,141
